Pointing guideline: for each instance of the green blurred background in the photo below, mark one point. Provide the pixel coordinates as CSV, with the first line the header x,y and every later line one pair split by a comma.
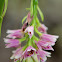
x,y
52,10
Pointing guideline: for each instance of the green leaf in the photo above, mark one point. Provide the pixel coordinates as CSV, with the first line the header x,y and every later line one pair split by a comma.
x,y
41,14
24,19
1,11
2,14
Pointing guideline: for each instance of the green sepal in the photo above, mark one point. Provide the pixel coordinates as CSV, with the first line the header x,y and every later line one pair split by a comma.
x,y
41,14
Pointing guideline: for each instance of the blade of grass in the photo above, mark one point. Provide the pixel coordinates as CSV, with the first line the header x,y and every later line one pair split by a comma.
x,y
41,14
2,13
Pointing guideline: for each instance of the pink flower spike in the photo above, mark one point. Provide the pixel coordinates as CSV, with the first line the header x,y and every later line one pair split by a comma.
x,y
29,52
11,43
15,33
43,28
49,38
30,30
43,55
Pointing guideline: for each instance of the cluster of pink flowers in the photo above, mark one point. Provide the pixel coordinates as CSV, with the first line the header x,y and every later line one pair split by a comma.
x,y
33,47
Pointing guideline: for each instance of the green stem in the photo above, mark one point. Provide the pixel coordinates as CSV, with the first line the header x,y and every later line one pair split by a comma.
x,y
35,3
30,42
31,7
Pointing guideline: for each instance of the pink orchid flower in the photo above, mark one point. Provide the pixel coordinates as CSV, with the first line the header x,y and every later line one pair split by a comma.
x,y
44,45
15,33
43,55
17,53
11,43
43,28
30,30
20,54
49,38
29,51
